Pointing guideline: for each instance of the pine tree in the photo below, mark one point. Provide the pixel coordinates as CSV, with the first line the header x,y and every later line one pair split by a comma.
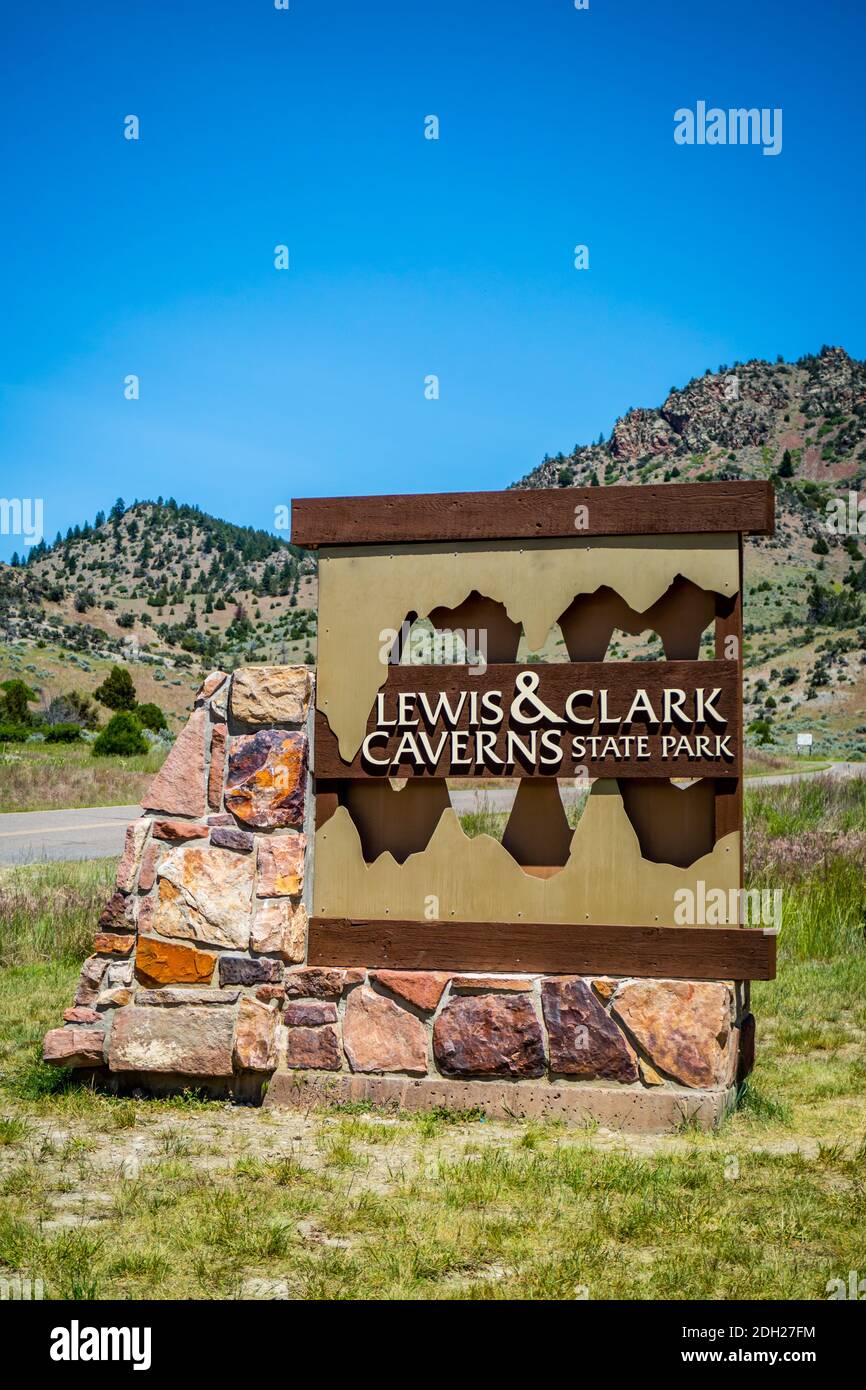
x,y
117,690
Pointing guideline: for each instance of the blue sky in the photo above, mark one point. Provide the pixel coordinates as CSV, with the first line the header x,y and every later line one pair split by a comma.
x,y
408,257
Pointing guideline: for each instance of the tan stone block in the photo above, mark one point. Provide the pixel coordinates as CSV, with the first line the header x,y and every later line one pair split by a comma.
x,y
684,1026
380,1036
205,894
269,695
280,928
136,834
281,866
256,1036
509,984
114,998
186,1041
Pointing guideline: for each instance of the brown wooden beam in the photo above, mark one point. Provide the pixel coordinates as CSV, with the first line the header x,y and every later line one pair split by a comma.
x,y
693,953
523,513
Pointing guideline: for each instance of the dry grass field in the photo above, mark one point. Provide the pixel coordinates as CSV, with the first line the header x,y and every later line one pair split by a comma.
x,y
105,1197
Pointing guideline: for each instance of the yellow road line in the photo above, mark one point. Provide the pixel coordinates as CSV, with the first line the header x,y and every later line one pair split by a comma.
x,y
62,829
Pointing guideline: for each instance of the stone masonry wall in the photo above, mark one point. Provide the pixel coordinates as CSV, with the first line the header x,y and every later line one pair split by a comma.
x,y
198,974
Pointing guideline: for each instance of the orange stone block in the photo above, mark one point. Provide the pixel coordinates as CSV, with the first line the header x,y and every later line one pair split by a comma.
x,y
109,943
169,963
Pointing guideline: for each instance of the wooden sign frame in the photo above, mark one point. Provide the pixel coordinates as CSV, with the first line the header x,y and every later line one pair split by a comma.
x,y
407,521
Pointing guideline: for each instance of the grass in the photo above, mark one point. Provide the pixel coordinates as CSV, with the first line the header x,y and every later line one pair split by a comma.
x,y
756,768
52,777
183,1198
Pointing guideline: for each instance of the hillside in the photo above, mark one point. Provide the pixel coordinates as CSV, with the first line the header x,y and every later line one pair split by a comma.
x,y
170,591
162,588
803,425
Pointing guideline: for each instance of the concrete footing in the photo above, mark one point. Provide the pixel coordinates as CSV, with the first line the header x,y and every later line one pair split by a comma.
x,y
617,1107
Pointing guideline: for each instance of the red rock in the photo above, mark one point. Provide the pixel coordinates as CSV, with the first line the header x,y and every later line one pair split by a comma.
x,y
268,993
221,818
118,914
108,943
509,984
266,782
74,1047
320,983
147,873
136,834
178,788
181,1041
423,988
80,1015
240,970
210,685
146,912
281,866
584,1040
170,963
489,1035
309,1015
178,830
90,979
218,740
684,1027
380,1036
256,1036
315,1048
227,837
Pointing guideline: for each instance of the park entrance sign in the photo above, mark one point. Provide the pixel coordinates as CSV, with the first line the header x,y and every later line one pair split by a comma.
x,y
306,902
628,771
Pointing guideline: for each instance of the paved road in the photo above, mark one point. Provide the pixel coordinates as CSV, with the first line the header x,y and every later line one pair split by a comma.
x,y
27,837
839,771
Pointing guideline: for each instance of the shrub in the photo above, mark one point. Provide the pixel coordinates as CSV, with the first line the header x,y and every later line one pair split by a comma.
x,y
73,708
122,735
62,733
14,701
14,733
117,690
151,717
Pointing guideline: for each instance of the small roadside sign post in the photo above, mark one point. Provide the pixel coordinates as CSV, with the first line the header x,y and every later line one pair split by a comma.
x,y
803,741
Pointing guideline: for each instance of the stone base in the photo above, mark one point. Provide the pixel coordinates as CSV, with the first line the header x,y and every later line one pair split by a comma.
x,y
199,975
641,1111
